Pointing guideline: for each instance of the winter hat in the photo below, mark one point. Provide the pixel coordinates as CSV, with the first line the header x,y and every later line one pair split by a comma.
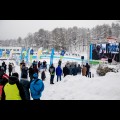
x,y
35,75
13,80
15,74
5,76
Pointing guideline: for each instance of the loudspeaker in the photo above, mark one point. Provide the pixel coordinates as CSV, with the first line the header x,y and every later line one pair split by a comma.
x,y
109,60
82,57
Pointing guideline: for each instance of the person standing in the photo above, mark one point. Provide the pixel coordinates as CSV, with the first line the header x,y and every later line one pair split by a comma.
x,y
65,71
60,62
31,72
58,72
84,69
3,81
79,69
74,70
39,66
10,69
13,90
4,66
43,76
44,65
24,71
52,73
13,68
26,86
36,87
87,69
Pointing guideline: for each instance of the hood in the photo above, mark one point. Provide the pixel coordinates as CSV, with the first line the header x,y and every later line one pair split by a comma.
x,y
13,80
35,75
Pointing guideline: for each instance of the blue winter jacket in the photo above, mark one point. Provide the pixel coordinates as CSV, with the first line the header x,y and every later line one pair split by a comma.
x,y
36,88
58,71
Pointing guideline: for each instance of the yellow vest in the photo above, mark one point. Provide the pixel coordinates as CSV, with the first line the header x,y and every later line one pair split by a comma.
x,y
11,92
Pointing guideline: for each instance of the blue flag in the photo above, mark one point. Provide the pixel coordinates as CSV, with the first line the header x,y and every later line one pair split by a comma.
x,y
21,55
0,52
62,53
27,55
51,57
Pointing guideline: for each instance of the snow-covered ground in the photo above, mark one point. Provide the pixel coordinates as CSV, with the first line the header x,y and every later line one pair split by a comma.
x,y
80,87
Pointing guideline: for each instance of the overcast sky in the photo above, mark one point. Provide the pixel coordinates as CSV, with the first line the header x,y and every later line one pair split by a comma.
x,y
12,29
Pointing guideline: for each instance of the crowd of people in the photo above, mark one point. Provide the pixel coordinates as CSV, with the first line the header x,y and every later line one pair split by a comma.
x,y
13,88
19,87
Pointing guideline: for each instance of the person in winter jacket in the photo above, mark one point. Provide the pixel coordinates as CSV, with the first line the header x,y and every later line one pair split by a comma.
x,y
26,86
24,71
43,76
74,70
88,68
39,66
52,73
3,82
21,64
70,70
4,66
60,62
36,87
65,71
34,64
31,72
10,69
79,69
44,65
58,72
84,69
1,72
35,69
13,90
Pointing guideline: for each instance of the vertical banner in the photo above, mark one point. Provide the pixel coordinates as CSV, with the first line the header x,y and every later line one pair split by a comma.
x,y
11,53
22,55
90,52
27,56
39,53
0,52
52,56
31,52
119,53
7,53
62,54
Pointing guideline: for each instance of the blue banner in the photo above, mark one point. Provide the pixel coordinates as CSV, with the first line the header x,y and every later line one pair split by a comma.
x,y
90,51
21,55
51,57
0,53
62,53
7,52
31,52
27,55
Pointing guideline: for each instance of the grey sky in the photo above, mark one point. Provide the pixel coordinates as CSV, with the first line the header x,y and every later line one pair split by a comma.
x,y
12,29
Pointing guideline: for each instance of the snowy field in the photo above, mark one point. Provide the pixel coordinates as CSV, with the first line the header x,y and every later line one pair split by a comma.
x,y
80,87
